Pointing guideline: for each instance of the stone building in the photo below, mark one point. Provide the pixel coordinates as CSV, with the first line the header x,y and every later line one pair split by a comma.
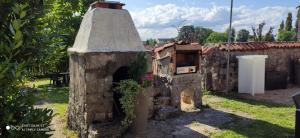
x,y
107,42
176,73
280,62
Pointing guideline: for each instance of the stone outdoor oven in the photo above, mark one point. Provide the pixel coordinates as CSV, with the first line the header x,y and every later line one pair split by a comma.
x,y
107,42
177,78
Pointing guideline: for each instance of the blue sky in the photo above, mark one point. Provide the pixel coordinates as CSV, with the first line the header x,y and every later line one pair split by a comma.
x,y
157,18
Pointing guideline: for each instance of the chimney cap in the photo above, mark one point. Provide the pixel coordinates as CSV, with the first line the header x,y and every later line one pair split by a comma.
x,y
107,4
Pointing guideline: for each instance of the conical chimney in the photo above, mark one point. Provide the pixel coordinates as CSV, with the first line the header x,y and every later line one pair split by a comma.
x,y
107,27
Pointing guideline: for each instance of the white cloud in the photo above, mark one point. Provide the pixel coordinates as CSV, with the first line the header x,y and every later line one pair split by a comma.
x,y
157,21
147,33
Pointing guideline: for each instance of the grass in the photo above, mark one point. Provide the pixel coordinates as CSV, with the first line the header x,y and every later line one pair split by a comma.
x,y
267,120
55,98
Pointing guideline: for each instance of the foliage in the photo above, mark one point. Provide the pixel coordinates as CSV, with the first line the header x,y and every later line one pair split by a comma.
x,y
269,37
286,36
138,67
297,20
186,33
16,43
58,26
129,90
281,26
194,34
232,35
201,34
216,37
243,35
132,87
257,33
151,42
288,22
29,16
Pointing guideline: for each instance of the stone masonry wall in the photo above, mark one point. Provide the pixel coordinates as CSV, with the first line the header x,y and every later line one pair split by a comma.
x,y
214,65
76,108
91,96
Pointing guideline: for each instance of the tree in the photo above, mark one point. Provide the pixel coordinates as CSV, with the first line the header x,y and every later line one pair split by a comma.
x,y
297,20
194,34
281,26
59,26
269,37
257,33
151,42
286,36
243,35
297,29
232,34
18,39
186,33
216,37
288,22
201,34
254,36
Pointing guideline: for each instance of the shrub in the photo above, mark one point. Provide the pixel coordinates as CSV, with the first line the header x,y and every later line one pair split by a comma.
x,y
16,104
286,36
216,37
129,90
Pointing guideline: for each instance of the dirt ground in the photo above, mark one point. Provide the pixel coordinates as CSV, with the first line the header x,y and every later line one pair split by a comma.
x,y
282,96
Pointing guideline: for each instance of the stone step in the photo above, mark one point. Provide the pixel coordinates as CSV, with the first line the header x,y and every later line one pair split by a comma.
x,y
162,101
111,129
166,112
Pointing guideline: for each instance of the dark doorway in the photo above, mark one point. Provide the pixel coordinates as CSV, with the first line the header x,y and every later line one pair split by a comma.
x,y
120,74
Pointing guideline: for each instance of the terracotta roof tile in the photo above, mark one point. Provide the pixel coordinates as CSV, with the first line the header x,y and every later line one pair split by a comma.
x,y
240,46
248,46
157,49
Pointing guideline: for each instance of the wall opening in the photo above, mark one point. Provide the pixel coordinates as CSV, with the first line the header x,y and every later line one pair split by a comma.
x,y
120,74
187,102
187,62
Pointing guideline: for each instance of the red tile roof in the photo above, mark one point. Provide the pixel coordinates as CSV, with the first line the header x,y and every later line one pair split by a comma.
x,y
239,46
157,49
249,46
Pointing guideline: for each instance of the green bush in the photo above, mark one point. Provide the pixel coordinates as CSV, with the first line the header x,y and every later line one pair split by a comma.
x,y
139,67
286,36
132,87
129,90
216,37
16,103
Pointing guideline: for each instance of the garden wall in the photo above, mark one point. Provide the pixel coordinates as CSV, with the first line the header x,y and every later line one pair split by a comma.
x,y
214,65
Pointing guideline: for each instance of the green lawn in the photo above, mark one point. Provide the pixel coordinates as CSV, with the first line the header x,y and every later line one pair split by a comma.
x,y
267,120
55,98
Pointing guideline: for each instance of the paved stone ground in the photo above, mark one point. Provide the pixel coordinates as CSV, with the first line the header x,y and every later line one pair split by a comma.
x,y
192,124
282,96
